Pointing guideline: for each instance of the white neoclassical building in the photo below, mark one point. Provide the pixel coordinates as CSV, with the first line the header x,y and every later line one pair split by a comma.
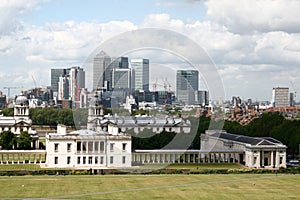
x,y
104,147
257,152
20,122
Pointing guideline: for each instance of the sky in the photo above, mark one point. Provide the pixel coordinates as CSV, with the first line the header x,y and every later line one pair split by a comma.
x,y
254,44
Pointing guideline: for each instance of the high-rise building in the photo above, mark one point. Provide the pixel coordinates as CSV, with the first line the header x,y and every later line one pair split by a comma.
x,y
280,97
63,87
55,74
121,78
101,73
202,97
69,83
186,85
77,81
140,74
103,70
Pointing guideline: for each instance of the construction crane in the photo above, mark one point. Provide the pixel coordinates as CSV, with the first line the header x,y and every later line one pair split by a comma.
x,y
8,90
154,86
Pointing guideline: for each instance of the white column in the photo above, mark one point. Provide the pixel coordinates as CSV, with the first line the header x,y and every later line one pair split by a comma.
x,y
284,159
263,158
272,159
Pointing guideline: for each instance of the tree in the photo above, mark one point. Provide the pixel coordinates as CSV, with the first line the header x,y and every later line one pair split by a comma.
x,y
7,140
24,141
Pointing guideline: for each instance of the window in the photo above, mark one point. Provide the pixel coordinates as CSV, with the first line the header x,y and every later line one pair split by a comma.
x,y
124,146
69,147
124,159
111,160
96,147
96,160
68,160
78,160
84,160
78,146
102,146
112,146
101,160
90,160
55,160
84,146
56,147
90,147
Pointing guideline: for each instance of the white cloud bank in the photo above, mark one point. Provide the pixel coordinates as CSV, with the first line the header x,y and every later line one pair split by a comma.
x,y
255,44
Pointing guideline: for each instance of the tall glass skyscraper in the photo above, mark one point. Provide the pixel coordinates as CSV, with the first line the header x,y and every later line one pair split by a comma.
x,y
101,71
55,74
187,83
140,74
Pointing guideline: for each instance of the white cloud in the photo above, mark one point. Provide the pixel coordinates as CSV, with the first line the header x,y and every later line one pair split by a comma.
x,y
255,44
10,12
249,16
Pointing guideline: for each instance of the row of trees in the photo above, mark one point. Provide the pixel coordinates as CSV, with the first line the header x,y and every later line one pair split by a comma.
x,y
9,141
272,124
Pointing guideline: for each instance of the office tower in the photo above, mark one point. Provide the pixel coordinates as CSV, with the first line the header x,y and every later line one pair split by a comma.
x,y
121,78
140,74
69,83
117,69
55,74
76,82
63,87
280,97
103,70
101,73
202,97
83,98
186,85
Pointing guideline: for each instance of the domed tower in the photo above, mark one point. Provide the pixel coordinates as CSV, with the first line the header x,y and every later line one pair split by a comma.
x,y
21,108
95,112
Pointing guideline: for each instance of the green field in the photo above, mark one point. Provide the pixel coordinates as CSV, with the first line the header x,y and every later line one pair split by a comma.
x,y
229,186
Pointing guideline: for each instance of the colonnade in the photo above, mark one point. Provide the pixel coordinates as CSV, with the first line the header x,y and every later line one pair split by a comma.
x,y
186,157
22,157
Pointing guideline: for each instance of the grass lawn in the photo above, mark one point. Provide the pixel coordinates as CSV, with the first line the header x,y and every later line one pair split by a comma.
x,y
213,186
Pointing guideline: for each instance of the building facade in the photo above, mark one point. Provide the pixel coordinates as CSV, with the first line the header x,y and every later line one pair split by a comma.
x,y
100,65
140,74
97,147
280,97
88,149
187,83
256,152
20,122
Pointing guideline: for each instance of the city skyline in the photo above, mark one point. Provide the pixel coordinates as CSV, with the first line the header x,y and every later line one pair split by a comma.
x,y
252,55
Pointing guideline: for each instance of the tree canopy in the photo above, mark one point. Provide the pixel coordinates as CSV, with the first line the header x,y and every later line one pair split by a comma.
x,y
8,140
24,141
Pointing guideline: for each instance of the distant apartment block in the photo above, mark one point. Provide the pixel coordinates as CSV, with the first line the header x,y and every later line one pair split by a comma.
x,y
280,97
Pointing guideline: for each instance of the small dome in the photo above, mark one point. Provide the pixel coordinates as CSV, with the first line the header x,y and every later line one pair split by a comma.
x,y
22,100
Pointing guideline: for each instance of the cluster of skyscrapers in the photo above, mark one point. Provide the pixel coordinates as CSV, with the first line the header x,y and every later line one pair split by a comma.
x,y
117,78
116,73
67,84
